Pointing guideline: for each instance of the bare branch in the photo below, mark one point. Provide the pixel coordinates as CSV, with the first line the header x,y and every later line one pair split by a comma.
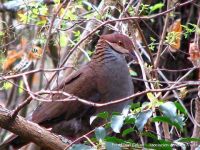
x,y
30,131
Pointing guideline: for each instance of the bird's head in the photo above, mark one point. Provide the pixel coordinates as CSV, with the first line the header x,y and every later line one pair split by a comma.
x,y
121,44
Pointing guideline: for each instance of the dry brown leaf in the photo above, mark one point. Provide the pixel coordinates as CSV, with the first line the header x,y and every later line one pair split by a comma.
x,y
194,53
13,56
176,28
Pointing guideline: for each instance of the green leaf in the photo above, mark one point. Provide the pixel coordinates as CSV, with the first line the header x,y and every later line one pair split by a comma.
x,y
7,85
21,87
142,119
144,8
115,113
145,105
188,139
188,30
149,134
133,73
151,97
127,131
156,7
152,39
135,105
168,109
2,33
90,52
129,119
117,123
161,119
35,11
23,18
167,120
112,146
81,147
70,15
152,45
63,39
100,133
113,139
43,10
126,109
92,118
77,33
42,23
172,37
56,1
33,16
180,108
103,115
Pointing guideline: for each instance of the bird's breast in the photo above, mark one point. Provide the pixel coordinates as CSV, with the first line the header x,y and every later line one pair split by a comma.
x,y
114,83
113,80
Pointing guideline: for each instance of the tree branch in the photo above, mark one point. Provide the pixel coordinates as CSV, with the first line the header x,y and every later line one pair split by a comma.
x,y
30,131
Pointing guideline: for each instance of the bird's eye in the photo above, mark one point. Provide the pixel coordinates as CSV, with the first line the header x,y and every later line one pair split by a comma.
x,y
120,43
34,50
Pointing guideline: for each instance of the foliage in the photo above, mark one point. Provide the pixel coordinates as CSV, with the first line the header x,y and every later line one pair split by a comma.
x,y
188,29
145,8
137,118
152,44
172,37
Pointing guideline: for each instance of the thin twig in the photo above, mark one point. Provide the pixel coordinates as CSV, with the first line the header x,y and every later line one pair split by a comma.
x,y
3,77
20,106
87,102
156,63
48,38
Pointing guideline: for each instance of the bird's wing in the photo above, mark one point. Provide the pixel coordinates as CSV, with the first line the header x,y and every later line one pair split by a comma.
x,y
81,84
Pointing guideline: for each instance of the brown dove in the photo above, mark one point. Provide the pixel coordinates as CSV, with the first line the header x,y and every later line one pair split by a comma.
x,y
105,78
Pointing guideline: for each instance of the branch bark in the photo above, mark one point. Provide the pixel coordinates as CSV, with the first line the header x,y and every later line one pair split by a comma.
x,y
30,131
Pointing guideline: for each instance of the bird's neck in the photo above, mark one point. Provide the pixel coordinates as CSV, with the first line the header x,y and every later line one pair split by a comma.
x,y
103,52
101,45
